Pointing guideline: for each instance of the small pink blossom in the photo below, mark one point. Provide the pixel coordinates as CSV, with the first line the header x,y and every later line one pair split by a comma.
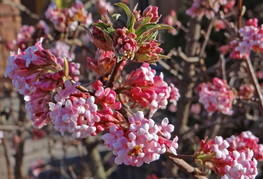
x,y
148,52
152,13
216,96
103,62
219,25
37,107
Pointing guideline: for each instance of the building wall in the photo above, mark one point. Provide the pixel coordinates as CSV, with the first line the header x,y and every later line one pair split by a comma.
x,y
10,22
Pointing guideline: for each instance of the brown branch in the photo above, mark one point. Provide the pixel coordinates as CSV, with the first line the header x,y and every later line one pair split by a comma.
x,y
239,17
9,127
186,168
170,69
223,66
8,164
255,83
114,74
186,85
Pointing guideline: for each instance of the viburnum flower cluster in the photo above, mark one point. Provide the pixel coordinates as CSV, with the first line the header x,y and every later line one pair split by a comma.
x,y
143,87
35,73
29,35
142,142
209,7
250,39
216,96
68,19
49,81
233,158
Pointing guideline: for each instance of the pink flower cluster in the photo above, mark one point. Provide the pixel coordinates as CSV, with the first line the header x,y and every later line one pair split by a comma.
x,y
246,91
24,36
68,19
228,162
247,140
36,73
141,142
124,44
148,52
144,87
209,7
251,40
74,112
216,96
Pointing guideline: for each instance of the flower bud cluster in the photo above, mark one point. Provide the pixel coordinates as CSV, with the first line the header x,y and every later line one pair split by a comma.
x,y
247,140
103,62
35,73
227,160
148,52
124,44
216,96
142,86
141,142
250,39
68,19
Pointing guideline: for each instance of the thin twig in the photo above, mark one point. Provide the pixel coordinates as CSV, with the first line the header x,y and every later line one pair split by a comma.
x,y
223,66
8,164
9,127
114,74
187,168
255,83
239,17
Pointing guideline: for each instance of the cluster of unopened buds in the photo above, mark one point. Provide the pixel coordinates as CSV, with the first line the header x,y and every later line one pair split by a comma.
x,y
48,80
232,158
250,40
216,96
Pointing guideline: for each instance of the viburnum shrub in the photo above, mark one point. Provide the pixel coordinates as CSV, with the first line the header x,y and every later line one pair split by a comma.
x,y
53,94
122,104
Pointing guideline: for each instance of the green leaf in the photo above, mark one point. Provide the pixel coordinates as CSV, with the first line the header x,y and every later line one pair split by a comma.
x,y
105,28
131,24
130,16
125,8
163,56
152,36
145,20
151,27
115,16
144,28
